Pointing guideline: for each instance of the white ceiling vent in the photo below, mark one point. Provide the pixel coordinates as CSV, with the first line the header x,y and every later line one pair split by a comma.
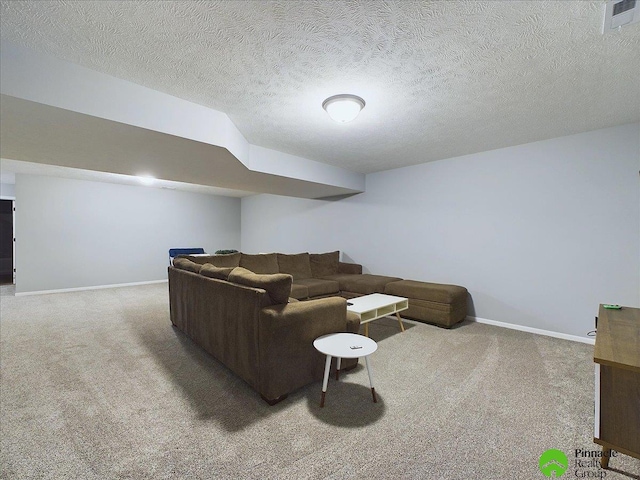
x,y
619,13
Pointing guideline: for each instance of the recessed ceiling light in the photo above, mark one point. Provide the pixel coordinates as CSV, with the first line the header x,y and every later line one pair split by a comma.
x,y
344,107
146,179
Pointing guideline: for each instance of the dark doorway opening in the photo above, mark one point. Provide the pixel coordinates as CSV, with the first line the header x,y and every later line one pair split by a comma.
x,y
6,241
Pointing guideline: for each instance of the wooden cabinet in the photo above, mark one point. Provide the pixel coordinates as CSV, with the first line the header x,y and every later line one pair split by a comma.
x,y
617,396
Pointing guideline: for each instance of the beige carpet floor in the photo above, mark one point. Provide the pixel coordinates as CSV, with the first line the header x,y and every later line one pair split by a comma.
x,y
99,385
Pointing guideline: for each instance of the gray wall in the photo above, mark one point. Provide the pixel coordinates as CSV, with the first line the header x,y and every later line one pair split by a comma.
x,y
74,233
539,233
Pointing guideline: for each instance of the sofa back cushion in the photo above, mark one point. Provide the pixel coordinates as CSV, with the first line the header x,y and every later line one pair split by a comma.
x,y
299,265
186,264
324,264
224,261
212,271
261,263
277,285
232,260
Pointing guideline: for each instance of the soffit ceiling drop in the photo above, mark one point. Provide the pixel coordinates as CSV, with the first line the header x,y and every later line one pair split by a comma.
x,y
45,136
441,79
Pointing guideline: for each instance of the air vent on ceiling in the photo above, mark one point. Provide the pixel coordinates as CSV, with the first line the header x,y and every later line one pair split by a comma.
x,y
620,13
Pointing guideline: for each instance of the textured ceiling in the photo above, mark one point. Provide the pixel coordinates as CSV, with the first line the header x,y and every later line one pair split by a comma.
x,y
440,78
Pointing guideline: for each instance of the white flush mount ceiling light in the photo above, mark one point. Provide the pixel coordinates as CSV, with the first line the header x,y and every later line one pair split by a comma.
x,y
344,107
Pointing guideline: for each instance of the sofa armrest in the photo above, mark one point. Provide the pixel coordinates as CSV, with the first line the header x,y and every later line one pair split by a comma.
x,y
353,322
290,326
288,359
349,268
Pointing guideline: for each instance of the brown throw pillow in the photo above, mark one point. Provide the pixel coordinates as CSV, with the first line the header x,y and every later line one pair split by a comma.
x,y
200,259
278,285
297,265
231,260
186,264
212,271
260,263
324,264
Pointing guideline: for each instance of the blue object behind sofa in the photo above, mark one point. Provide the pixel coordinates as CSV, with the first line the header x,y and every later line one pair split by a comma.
x,y
174,252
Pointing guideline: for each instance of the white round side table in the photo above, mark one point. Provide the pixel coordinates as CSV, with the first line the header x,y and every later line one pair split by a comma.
x,y
345,345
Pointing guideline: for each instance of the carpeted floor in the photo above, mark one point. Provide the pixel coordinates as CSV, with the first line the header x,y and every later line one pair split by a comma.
x,y
99,385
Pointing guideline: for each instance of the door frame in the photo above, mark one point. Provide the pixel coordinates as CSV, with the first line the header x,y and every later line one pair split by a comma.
x,y
13,247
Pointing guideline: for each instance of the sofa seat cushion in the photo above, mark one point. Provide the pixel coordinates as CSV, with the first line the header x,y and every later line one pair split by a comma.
x,y
223,261
277,286
317,287
323,264
298,265
260,263
299,291
211,271
433,292
366,284
340,277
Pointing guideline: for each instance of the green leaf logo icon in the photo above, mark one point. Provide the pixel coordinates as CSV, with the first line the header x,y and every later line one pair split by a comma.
x,y
553,463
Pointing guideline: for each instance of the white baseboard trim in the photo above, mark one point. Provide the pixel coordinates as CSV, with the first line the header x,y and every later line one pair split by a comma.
x,y
95,287
539,331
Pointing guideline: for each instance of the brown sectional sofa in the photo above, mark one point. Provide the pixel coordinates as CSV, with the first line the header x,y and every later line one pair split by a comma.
x,y
237,308
323,275
248,323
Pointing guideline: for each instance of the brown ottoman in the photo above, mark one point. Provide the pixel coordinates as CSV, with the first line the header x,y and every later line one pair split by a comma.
x,y
444,305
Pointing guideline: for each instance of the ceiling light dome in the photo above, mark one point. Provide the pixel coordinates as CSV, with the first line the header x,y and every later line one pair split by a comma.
x,y
344,107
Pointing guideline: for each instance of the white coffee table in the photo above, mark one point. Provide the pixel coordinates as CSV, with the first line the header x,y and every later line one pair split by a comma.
x,y
344,345
377,305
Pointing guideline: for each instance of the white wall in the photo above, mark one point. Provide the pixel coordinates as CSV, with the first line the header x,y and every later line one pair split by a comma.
x,y
7,191
540,234
73,233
